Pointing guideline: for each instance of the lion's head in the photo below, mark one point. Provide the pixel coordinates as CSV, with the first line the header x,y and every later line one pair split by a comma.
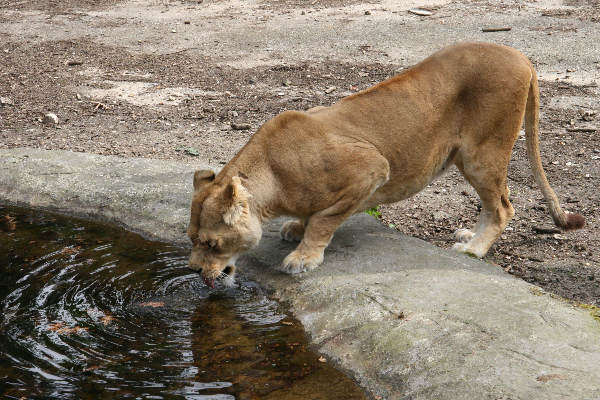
x,y
221,227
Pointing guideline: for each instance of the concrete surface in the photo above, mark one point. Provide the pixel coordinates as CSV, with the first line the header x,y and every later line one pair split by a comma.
x,y
406,319
251,33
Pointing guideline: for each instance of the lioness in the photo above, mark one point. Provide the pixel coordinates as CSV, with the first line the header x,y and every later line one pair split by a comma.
x,y
462,106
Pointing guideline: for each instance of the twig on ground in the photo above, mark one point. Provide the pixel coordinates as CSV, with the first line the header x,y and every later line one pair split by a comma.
x,y
582,129
546,229
501,29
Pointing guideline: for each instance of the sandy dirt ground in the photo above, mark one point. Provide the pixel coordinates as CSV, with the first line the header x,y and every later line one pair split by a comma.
x,y
190,80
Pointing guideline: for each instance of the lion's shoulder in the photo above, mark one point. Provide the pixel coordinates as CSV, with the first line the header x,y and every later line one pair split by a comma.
x,y
289,123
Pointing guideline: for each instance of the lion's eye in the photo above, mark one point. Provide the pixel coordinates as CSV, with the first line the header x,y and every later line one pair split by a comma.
x,y
208,244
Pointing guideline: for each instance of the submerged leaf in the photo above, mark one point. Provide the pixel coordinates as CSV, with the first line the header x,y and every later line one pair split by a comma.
x,y
153,304
8,223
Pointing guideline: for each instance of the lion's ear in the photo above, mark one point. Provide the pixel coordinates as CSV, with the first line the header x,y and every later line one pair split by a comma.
x,y
237,197
202,177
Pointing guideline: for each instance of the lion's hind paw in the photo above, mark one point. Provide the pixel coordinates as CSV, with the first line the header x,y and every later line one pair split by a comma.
x,y
468,250
463,235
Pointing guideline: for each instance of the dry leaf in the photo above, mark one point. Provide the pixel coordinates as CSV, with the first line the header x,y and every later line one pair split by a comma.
x,y
107,319
153,304
69,251
548,377
322,359
61,329
7,223
56,326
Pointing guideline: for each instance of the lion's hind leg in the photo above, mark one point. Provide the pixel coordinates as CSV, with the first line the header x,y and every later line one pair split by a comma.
x,y
488,177
496,212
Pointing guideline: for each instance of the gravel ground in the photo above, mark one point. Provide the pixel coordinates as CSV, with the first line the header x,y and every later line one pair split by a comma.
x,y
120,85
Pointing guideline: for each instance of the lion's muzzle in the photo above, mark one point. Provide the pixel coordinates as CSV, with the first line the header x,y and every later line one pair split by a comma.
x,y
210,273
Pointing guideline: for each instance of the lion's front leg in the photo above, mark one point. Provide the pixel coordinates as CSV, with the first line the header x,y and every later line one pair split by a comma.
x,y
320,226
317,235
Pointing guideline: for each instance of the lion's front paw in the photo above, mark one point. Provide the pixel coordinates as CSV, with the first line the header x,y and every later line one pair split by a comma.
x,y
297,262
463,235
292,231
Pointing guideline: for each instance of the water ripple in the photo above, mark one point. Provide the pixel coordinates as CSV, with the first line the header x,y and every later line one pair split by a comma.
x,y
88,310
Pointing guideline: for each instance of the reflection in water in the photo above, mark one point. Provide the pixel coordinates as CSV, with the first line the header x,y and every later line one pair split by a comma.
x,y
93,312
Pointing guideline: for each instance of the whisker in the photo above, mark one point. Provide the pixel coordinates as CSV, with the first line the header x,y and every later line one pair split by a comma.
x,y
222,275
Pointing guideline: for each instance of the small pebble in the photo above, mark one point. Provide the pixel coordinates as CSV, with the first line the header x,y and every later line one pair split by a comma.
x,y
240,126
50,119
367,12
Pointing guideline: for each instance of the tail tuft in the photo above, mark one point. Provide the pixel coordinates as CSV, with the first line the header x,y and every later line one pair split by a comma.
x,y
574,221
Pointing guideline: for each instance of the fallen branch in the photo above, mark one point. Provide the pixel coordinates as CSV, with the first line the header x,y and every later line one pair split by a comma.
x,y
502,29
544,229
420,12
582,129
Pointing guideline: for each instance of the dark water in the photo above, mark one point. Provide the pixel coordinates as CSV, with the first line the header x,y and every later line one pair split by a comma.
x,y
94,312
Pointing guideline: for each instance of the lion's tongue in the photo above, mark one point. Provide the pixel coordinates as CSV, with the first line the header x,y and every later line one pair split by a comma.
x,y
209,282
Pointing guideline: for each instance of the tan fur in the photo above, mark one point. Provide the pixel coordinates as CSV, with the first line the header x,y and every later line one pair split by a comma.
x,y
462,106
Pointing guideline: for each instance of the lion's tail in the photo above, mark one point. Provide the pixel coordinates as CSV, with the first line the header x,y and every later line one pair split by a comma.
x,y
563,220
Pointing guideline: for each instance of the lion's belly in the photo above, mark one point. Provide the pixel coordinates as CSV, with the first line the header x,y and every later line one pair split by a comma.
x,y
401,186
395,191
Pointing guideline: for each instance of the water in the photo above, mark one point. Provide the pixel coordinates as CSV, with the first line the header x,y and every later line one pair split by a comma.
x,y
93,312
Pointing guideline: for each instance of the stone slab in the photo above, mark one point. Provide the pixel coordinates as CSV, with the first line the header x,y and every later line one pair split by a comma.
x,y
406,319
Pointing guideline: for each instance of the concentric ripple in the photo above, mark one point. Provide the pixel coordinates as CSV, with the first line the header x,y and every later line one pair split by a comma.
x,y
89,312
